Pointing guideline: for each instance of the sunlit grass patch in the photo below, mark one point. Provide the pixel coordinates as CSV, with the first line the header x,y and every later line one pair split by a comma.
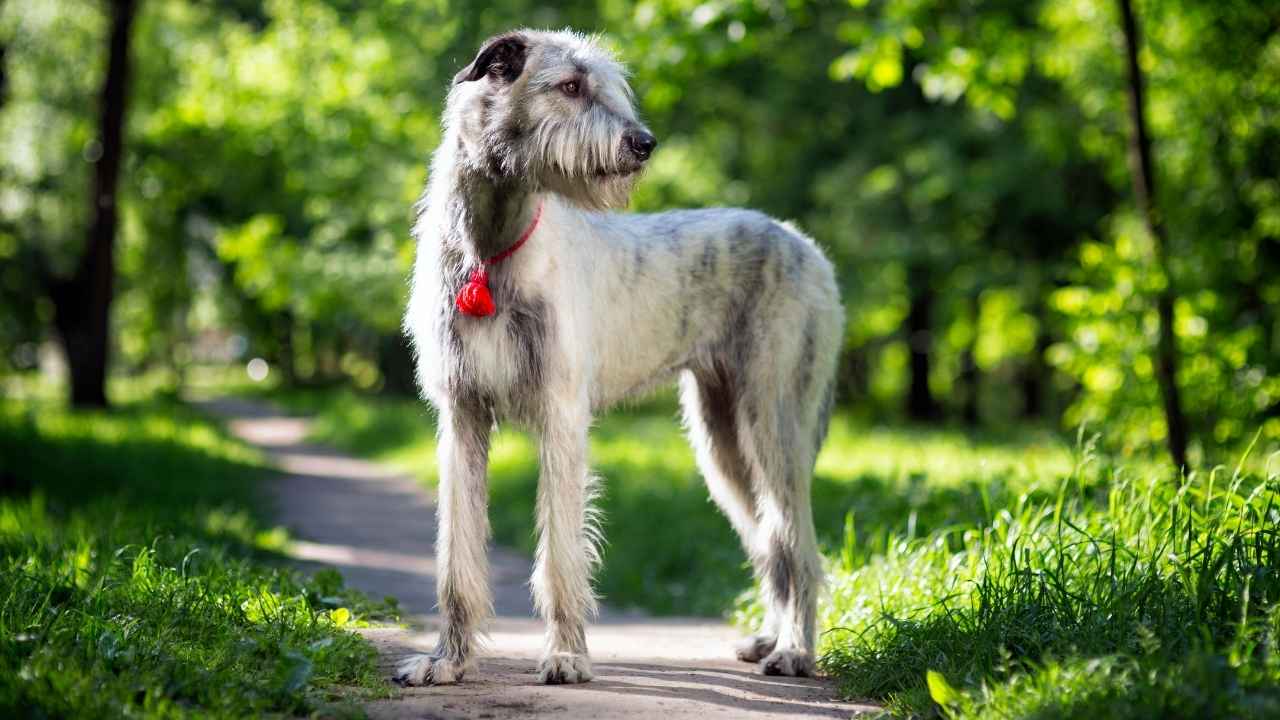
x,y
138,576
1143,575
1202,684
946,456
908,482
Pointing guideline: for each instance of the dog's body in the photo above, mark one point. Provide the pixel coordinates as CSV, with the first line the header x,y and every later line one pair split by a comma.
x,y
595,308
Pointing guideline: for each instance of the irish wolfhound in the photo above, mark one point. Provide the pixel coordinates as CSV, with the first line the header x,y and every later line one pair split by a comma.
x,y
533,304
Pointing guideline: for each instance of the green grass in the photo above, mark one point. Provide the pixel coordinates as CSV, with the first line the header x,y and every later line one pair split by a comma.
x,y
138,577
1029,575
1122,595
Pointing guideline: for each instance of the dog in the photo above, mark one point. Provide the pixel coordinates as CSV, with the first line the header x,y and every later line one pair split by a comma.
x,y
531,302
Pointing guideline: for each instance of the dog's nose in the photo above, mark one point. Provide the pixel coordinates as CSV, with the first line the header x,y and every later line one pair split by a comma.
x,y
641,144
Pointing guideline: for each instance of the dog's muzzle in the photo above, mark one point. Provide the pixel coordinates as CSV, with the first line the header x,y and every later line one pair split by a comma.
x,y
641,144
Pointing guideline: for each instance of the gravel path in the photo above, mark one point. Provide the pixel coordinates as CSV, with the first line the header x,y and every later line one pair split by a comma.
x,y
377,526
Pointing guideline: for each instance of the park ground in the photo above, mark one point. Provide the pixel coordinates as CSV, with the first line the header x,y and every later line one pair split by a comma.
x,y
1017,574
377,526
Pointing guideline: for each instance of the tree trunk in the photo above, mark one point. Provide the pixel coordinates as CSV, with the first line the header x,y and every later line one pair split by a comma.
x,y
82,304
1036,372
1144,192
919,330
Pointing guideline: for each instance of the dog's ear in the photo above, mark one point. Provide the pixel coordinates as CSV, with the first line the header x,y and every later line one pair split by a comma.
x,y
500,56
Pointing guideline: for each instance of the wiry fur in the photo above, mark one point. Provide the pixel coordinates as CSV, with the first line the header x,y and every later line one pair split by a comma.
x,y
598,307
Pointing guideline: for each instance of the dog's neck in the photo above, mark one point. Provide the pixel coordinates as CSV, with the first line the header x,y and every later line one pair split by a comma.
x,y
486,212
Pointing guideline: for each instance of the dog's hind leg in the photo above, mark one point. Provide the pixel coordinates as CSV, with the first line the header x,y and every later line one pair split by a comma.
x,y
709,401
462,583
781,405
785,542
567,543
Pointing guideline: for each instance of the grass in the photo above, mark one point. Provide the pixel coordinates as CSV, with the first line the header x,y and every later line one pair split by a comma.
x,y
138,577
1122,595
969,575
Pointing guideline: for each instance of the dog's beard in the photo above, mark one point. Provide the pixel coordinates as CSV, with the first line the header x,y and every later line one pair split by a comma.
x,y
584,160
609,190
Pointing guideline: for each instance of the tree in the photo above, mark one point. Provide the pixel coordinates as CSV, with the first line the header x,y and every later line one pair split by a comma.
x,y
82,303
1144,193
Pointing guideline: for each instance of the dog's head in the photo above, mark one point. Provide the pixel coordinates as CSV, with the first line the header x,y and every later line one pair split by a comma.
x,y
555,109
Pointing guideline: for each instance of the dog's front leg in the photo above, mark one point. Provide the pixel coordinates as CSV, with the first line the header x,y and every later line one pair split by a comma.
x,y
462,580
566,544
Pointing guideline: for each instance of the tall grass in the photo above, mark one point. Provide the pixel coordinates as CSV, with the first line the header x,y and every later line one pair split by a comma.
x,y
1123,595
139,577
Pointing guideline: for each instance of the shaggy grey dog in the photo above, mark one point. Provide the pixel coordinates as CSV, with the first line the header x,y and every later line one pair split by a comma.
x,y
532,303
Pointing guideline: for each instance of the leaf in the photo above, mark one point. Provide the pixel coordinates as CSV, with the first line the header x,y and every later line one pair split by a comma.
x,y
297,673
886,72
940,690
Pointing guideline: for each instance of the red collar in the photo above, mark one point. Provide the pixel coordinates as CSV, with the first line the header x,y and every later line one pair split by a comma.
x,y
474,299
524,238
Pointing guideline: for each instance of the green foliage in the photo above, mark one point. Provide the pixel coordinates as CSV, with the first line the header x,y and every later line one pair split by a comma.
x,y
965,162
137,577
1022,63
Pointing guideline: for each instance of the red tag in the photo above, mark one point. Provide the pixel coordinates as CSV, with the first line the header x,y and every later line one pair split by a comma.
x,y
474,298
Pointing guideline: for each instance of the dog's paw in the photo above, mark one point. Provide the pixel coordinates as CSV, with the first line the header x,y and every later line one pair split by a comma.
x,y
754,648
428,670
790,661
564,668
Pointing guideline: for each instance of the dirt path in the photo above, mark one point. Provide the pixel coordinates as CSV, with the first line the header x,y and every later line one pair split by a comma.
x,y
378,526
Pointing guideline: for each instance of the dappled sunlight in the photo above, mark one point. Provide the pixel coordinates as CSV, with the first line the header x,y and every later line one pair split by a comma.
x,y
644,441
348,555
328,465
273,432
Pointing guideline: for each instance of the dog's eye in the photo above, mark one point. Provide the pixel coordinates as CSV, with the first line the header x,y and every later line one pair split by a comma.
x,y
570,88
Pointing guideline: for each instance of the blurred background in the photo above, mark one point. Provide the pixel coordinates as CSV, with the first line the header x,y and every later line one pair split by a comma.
x,y
188,184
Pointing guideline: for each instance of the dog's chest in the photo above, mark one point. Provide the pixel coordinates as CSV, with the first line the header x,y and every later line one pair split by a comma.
x,y
503,356
484,348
